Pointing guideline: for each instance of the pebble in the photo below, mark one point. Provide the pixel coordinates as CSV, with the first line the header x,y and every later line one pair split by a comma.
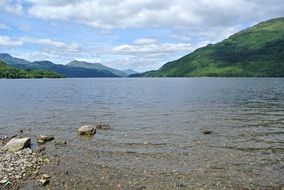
x,y
44,181
43,139
45,176
4,181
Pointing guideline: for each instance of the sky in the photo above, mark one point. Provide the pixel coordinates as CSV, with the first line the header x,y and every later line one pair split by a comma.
x,y
124,34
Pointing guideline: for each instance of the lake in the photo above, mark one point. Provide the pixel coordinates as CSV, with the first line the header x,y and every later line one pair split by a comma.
x,y
156,138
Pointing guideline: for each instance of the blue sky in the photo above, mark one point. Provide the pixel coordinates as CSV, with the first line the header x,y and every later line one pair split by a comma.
x,y
140,35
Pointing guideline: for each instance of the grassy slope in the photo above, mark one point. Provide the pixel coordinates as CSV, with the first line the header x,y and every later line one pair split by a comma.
x,y
255,52
7,71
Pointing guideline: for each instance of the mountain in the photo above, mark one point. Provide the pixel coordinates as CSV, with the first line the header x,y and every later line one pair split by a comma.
x,y
130,72
64,70
21,63
97,66
8,71
254,52
72,72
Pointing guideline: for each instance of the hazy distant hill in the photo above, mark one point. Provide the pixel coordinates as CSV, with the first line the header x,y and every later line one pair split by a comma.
x,y
255,52
8,71
67,71
130,71
72,71
97,66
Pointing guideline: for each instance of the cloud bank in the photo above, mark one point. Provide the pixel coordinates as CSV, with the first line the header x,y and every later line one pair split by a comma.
x,y
113,14
140,34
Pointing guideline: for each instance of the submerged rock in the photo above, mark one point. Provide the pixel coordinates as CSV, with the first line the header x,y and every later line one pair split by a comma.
x,y
60,143
102,126
87,130
16,144
40,149
207,132
43,139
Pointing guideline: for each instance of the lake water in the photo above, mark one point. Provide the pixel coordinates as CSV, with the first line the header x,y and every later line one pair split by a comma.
x,y
156,127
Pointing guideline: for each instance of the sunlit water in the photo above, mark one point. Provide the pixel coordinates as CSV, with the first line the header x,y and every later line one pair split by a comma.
x,y
160,121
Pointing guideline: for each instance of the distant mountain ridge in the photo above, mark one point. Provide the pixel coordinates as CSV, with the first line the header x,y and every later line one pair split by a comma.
x,y
97,66
16,62
71,70
254,52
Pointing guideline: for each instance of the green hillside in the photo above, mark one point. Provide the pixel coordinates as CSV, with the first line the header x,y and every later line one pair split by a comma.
x,y
7,71
255,52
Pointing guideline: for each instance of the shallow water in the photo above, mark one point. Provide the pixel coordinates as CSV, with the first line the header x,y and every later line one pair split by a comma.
x,y
157,124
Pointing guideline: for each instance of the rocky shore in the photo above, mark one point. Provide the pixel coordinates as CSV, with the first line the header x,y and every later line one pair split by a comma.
x,y
22,161
18,165
48,162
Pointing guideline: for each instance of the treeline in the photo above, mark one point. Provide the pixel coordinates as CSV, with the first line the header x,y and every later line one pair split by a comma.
x,y
9,72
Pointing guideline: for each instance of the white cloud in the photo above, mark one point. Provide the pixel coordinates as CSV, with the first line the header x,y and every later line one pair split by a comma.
x,y
148,54
38,56
49,48
6,41
12,6
46,42
145,41
156,48
159,13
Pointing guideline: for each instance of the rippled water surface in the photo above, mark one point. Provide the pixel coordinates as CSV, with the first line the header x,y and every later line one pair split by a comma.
x,y
157,124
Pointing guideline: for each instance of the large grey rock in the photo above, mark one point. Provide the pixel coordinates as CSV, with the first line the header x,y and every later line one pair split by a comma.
x,y
16,144
87,130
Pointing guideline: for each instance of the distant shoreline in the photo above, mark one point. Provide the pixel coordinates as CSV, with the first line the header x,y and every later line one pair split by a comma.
x,y
141,78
